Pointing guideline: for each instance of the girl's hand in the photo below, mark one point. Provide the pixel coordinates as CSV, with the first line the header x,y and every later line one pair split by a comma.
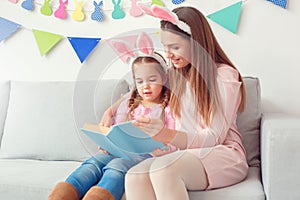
x,y
150,126
103,151
160,152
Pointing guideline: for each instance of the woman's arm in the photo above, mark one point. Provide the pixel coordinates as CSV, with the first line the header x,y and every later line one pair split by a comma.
x,y
158,131
107,116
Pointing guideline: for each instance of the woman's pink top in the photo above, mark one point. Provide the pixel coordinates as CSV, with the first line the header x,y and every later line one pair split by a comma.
x,y
218,146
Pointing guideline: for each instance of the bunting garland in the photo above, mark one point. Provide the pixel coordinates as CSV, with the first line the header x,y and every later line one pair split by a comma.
x,y
228,17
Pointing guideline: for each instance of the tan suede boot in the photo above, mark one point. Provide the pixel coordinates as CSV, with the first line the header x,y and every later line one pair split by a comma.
x,y
98,193
63,191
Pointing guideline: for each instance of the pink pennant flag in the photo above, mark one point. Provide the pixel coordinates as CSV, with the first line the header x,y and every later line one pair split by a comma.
x,y
14,1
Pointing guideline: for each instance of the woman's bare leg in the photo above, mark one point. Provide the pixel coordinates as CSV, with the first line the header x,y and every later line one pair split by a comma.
x,y
137,182
171,175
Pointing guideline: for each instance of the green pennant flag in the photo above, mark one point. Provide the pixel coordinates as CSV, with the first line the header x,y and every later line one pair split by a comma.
x,y
228,17
45,40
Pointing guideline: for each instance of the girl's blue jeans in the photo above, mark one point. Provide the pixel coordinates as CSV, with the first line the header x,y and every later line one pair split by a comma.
x,y
105,171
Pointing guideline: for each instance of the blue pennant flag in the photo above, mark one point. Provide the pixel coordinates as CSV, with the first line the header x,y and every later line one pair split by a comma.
x,y
7,28
281,3
83,46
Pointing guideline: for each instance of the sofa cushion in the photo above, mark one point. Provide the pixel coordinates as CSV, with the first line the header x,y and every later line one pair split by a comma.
x,y
249,189
4,97
31,179
248,122
43,120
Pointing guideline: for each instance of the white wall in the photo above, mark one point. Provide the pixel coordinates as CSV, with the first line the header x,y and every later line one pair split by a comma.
x,y
266,44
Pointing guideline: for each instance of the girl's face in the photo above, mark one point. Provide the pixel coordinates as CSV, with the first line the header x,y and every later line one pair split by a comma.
x,y
177,48
149,81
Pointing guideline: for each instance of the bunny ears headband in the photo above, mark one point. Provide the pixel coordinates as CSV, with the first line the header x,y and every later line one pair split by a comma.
x,y
144,48
165,14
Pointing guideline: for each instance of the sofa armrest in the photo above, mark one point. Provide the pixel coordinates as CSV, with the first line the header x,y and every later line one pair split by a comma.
x,y
280,156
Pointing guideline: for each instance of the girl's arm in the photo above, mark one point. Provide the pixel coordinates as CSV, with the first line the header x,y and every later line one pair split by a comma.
x,y
110,112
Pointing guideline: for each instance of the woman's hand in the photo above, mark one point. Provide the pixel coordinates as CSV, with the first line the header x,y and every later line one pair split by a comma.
x,y
107,118
150,126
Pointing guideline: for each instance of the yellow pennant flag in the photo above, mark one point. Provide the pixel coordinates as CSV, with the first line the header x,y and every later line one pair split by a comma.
x,y
45,40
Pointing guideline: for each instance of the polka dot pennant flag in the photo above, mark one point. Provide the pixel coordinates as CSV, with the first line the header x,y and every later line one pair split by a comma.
x,y
281,3
7,28
228,17
177,1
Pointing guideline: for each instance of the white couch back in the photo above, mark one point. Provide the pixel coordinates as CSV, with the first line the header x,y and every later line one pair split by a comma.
x,y
42,120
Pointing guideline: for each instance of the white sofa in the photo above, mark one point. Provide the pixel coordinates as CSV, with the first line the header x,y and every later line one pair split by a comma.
x,y
41,142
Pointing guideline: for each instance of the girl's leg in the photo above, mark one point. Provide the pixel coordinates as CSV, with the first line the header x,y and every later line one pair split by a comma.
x,y
114,175
171,175
137,182
89,173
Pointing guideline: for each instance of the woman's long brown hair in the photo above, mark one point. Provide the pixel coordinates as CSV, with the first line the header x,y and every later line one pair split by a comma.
x,y
206,53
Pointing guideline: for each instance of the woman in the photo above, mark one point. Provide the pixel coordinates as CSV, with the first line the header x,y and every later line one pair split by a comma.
x,y
208,94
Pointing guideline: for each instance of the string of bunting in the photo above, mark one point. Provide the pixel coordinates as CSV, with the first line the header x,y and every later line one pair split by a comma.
x,y
78,14
227,17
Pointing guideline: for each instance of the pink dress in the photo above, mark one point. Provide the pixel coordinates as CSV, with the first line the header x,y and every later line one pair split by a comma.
x,y
218,146
154,112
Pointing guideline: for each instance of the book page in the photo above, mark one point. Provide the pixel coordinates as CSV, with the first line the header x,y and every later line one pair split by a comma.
x,y
96,128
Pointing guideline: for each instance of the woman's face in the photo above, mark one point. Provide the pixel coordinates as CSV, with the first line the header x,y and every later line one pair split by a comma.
x,y
177,48
149,82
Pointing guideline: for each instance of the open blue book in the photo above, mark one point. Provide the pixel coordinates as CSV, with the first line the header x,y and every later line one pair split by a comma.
x,y
123,140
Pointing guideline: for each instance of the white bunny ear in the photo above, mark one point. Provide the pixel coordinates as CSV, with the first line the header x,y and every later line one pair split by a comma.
x,y
122,50
144,43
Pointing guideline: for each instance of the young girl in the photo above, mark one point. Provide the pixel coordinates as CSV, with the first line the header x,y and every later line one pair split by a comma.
x,y
101,177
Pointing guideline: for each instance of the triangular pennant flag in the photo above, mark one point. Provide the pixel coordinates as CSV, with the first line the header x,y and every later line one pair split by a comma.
x,y
7,28
45,40
228,17
281,3
83,46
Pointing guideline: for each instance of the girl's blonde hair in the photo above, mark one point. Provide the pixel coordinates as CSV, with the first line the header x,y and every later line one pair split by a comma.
x,y
202,72
135,99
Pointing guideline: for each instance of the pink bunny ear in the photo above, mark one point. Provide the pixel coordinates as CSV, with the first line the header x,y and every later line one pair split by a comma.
x,y
164,14
122,50
146,8
144,43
